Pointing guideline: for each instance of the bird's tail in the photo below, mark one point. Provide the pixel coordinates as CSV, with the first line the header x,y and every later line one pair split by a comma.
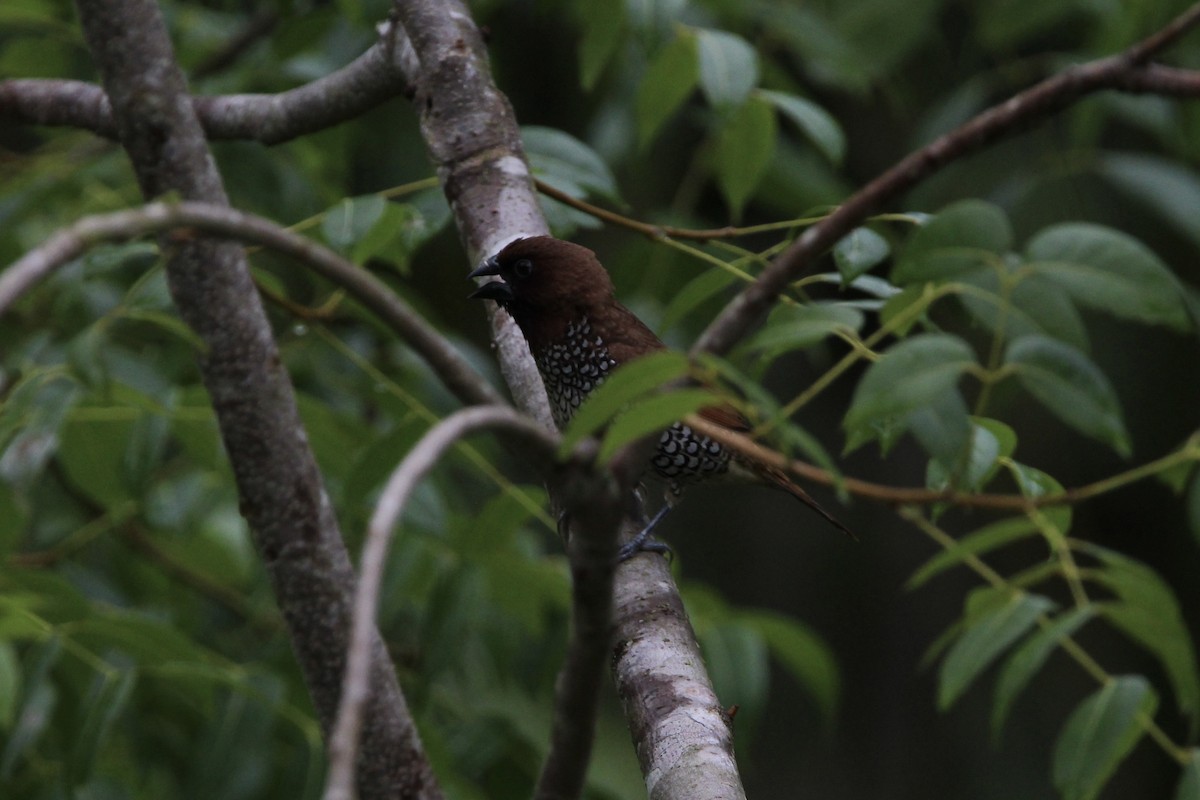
x,y
779,478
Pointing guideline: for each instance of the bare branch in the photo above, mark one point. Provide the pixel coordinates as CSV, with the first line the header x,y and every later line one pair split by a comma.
x,y
906,495
534,439
358,87
279,486
473,140
683,736
1035,103
69,243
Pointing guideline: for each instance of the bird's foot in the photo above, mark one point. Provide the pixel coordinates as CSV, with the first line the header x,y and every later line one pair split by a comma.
x,y
645,542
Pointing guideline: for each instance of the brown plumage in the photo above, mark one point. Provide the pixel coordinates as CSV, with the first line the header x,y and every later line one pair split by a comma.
x,y
562,299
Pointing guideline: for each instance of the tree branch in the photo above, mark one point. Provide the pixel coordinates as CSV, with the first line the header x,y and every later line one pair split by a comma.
x,y
474,142
358,87
280,489
356,691
906,495
1035,103
71,242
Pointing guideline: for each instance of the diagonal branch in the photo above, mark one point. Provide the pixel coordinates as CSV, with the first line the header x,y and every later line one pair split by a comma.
x,y
1033,104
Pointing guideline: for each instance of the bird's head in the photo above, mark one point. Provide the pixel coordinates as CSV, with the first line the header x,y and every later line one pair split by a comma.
x,y
544,276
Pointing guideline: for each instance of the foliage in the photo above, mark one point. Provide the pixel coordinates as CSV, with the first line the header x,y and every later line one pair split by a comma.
x,y
1004,306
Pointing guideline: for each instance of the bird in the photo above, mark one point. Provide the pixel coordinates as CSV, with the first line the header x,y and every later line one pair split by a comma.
x,y
564,302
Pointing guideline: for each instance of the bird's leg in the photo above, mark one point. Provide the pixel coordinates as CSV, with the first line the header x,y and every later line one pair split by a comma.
x,y
643,543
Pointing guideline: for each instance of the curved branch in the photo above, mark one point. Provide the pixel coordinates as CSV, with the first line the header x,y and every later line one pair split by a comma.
x,y
1037,102
70,242
364,83
356,684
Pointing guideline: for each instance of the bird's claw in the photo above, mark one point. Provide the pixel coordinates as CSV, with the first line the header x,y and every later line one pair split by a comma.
x,y
645,542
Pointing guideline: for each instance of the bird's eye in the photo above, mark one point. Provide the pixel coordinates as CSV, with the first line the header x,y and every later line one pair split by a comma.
x,y
523,268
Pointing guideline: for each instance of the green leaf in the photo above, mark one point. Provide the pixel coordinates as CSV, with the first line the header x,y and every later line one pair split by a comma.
x,y
859,251
399,230
908,376
984,639
1189,783
803,653
962,237
798,327
1035,305
106,700
743,152
736,657
628,383
147,641
728,68
1027,659
1193,506
654,413
10,684
904,304
1099,733
93,454
37,703
144,449
976,543
1005,436
981,462
814,122
1168,188
1004,25
668,81
1109,271
703,287
603,23
348,221
1070,386
1149,614
666,84
943,427
1034,483
568,163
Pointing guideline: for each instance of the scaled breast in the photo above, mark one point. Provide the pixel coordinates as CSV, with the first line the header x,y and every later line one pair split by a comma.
x,y
579,362
572,367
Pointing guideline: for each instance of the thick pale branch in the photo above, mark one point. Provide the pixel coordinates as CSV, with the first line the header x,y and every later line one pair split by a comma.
x,y
1035,103
474,142
71,242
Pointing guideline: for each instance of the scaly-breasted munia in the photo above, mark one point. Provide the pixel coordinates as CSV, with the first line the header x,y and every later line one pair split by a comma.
x,y
562,299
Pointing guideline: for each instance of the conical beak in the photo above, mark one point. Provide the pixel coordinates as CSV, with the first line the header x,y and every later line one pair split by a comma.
x,y
490,266
495,290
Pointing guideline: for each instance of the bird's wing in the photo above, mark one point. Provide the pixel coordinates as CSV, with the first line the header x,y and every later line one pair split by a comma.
x,y
727,417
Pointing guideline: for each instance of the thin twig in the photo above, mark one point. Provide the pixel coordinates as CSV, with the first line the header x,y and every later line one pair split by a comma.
x,y
899,495
356,684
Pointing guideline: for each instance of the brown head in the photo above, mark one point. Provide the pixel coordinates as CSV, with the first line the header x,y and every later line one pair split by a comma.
x,y
545,284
